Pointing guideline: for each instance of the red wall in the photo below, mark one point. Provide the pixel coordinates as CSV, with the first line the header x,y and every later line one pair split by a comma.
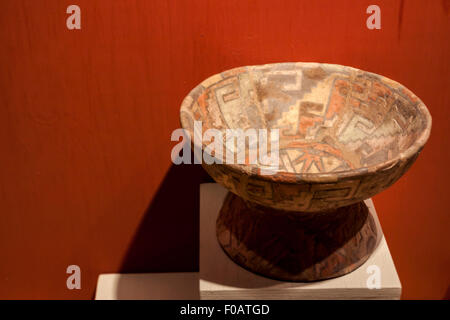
x,y
86,118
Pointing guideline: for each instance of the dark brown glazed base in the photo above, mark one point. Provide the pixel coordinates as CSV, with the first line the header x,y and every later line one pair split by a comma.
x,y
296,246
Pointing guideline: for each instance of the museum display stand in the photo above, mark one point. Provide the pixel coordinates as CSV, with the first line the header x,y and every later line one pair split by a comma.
x,y
220,278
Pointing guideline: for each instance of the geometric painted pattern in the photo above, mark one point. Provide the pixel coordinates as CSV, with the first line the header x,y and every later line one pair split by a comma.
x,y
345,134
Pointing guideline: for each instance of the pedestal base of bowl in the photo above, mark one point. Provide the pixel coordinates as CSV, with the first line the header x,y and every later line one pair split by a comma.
x,y
296,246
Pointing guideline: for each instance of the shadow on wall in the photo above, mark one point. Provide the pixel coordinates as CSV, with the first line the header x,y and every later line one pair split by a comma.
x,y
447,294
167,239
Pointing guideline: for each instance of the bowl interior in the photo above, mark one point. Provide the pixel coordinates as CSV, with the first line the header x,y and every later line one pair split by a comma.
x,y
330,118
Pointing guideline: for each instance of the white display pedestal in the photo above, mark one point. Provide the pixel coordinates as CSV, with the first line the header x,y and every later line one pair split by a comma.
x,y
148,286
221,278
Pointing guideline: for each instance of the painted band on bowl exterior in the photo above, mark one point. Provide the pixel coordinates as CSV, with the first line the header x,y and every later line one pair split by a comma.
x,y
307,196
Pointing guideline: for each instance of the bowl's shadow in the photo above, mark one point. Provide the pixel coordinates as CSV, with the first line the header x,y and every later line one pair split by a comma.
x,y
168,235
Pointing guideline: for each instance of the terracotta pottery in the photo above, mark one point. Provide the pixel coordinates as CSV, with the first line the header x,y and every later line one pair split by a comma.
x,y
344,136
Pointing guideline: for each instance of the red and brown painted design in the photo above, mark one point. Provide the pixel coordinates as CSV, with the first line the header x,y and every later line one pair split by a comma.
x,y
345,134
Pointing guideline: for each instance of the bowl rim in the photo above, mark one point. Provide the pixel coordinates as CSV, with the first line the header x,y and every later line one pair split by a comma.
x,y
324,177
